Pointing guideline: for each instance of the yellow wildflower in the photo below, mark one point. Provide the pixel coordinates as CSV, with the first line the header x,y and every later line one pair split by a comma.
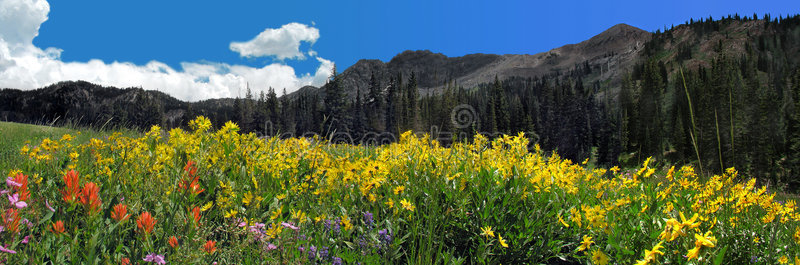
x,y
587,241
231,213
487,231
561,220
599,258
276,213
207,206
247,198
399,189
407,205
501,241
346,224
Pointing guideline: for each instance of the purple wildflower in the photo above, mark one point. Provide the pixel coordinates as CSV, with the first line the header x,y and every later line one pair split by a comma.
x,y
270,246
14,199
26,239
312,253
337,261
336,223
11,183
323,253
25,221
290,226
155,258
47,203
368,219
4,249
385,236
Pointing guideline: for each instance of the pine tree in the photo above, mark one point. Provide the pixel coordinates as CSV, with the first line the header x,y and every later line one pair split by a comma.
x,y
412,107
335,104
287,114
391,107
501,109
359,118
273,110
376,102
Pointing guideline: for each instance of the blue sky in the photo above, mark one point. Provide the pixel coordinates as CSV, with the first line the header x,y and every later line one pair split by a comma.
x,y
201,32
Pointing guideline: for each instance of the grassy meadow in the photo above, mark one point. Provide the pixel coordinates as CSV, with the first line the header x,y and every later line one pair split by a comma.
x,y
204,195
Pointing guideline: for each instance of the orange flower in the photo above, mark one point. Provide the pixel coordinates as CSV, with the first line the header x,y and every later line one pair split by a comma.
x,y
125,261
70,193
210,247
196,215
57,227
173,242
145,223
11,220
191,184
89,197
22,180
120,212
190,168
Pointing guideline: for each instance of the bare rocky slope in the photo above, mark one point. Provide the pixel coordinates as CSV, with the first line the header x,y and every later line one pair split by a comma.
x,y
612,52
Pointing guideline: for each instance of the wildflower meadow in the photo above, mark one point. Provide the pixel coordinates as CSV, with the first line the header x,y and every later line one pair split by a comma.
x,y
203,196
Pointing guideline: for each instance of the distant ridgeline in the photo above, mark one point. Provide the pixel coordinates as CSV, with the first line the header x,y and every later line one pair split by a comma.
x,y
722,92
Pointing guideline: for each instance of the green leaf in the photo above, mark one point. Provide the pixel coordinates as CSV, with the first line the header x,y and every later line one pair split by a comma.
x,y
46,218
720,256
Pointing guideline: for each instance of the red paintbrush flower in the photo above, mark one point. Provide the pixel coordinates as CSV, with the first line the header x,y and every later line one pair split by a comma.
x,y
173,242
190,183
120,212
210,247
145,223
89,197
70,192
57,227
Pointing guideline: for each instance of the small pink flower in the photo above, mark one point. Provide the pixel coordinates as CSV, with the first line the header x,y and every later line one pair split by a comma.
x,y
11,183
290,226
270,246
14,199
47,203
4,249
155,258
26,239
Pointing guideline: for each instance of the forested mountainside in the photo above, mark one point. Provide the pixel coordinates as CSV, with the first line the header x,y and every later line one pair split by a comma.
x,y
722,92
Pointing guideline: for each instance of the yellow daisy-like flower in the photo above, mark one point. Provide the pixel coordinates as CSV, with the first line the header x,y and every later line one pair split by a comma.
x,y
587,241
231,213
502,241
693,253
276,213
561,220
599,258
207,206
399,189
487,231
247,198
796,235
407,205
783,259
706,240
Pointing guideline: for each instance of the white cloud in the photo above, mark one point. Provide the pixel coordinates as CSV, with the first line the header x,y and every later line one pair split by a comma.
x,y
25,66
282,43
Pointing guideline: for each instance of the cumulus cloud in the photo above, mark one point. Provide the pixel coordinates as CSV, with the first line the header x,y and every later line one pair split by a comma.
x,y
25,66
281,43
